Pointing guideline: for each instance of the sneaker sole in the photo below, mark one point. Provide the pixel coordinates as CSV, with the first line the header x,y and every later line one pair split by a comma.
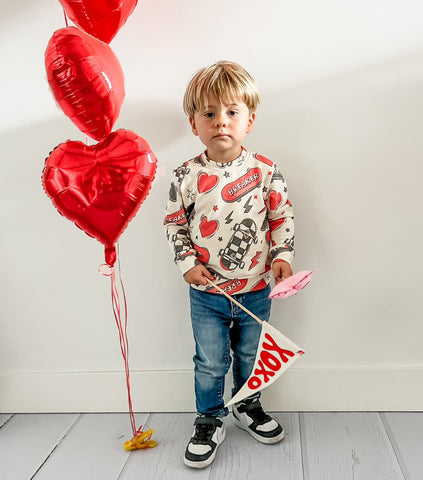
x,y
208,461
259,438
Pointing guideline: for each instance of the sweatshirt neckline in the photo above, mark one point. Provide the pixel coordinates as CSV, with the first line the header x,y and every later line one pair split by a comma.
x,y
237,162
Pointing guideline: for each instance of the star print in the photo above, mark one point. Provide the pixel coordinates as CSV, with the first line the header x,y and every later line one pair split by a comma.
x,y
264,189
285,189
255,197
226,174
215,208
287,230
220,239
190,194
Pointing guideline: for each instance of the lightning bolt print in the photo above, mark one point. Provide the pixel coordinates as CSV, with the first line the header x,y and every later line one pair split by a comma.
x,y
248,206
229,218
255,260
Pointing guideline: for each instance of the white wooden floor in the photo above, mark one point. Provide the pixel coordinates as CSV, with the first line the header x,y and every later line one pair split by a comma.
x,y
318,446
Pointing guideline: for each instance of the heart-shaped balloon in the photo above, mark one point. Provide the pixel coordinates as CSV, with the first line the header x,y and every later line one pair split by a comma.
x,y
86,79
101,187
100,18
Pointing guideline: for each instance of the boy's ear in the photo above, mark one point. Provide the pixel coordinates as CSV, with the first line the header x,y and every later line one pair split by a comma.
x,y
194,128
251,121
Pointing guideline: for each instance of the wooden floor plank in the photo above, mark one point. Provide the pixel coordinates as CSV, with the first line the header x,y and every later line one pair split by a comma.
x,y
348,446
92,450
241,457
321,446
406,432
165,462
4,418
26,441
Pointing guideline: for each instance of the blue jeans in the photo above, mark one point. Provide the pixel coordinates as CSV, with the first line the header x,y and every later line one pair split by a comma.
x,y
219,326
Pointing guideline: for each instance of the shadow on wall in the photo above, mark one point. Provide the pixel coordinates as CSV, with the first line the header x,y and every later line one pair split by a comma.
x,y
351,148
145,118
25,150
159,123
31,9
41,252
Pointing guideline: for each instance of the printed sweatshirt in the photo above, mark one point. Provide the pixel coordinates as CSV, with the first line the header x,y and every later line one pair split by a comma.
x,y
235,218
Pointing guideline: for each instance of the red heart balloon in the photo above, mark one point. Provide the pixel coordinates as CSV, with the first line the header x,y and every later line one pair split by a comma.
x,y
100,18
101,187
86,79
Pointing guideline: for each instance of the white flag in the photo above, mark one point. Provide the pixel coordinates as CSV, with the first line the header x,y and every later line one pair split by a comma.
x,y
275,354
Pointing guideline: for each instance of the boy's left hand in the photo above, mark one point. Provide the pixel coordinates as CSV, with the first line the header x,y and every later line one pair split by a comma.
x,y
281,270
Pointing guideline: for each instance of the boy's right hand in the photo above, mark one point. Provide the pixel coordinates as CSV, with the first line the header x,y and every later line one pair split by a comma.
x,y
198,275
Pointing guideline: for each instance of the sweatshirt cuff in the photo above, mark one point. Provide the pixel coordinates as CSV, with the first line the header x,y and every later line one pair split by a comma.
x,y
190,261
285,256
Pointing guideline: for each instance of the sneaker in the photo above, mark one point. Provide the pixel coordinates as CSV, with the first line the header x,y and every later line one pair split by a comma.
x,y
251,417
209,433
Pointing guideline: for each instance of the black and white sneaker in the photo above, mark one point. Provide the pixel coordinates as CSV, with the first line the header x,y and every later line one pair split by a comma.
x,y
209,433
250,416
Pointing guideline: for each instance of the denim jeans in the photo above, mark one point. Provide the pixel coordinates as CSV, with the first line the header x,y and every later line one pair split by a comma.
x,y
220,326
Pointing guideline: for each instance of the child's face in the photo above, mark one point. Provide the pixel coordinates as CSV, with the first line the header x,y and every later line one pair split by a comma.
x,y
222,127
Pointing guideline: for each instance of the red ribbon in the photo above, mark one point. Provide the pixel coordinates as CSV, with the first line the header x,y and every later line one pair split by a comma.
x,y
108,271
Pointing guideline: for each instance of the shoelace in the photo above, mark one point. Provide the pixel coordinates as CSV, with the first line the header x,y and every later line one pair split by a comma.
x,y
203,433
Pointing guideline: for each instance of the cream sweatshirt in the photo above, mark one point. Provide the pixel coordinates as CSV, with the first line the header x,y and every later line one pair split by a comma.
x,y
235,218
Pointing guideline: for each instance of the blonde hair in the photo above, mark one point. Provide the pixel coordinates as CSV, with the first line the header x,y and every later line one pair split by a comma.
x,y
226,81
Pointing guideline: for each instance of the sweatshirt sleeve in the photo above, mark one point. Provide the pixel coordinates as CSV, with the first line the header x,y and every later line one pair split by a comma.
x,y
281,219
176,224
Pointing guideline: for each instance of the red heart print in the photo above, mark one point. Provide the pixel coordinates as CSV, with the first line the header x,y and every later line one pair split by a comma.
x,y
101,187
208,228
100,18
202,253
86,79
275,199
206,183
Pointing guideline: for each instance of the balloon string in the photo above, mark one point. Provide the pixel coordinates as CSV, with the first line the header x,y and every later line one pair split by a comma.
x,y
123,339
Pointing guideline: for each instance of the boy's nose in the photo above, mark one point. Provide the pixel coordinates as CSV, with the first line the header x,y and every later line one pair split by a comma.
x,y
221,121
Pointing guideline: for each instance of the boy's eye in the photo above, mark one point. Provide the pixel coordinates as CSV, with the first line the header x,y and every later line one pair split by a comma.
x,y
209,114
232,113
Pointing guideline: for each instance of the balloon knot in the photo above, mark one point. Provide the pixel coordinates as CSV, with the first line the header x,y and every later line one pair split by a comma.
x,y
105,270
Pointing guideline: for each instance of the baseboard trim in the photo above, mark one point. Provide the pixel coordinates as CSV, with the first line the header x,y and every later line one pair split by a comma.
x,y
299,389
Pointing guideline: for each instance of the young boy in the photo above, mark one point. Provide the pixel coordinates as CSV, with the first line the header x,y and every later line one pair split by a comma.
x,y
228,220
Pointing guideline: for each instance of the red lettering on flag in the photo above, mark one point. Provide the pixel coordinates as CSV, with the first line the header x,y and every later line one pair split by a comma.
x,y
270,361
254,383
274,347
262,371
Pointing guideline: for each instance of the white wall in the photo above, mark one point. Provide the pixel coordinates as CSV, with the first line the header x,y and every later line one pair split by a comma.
x,y
341,85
